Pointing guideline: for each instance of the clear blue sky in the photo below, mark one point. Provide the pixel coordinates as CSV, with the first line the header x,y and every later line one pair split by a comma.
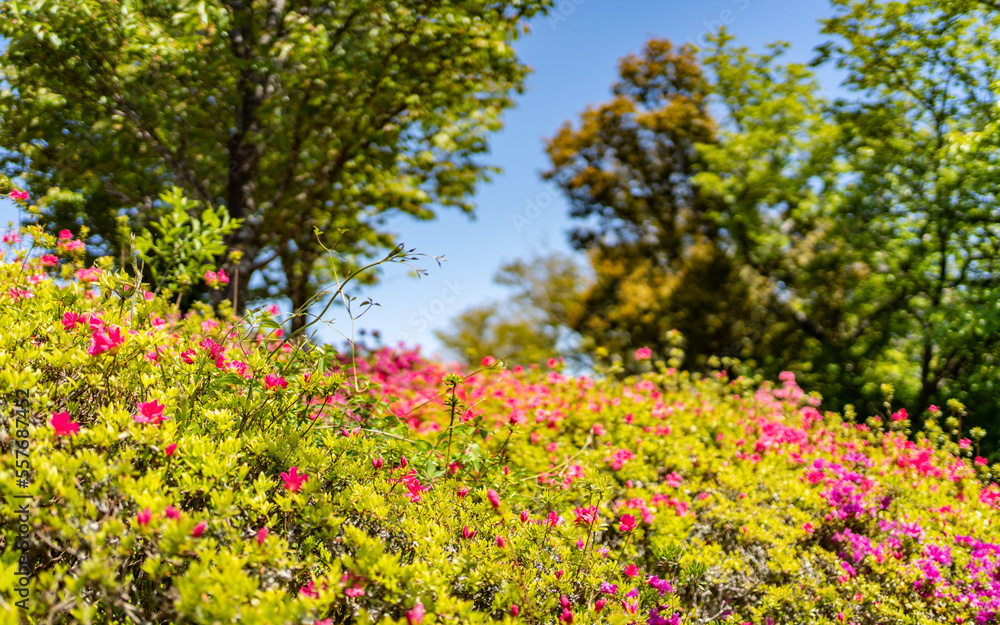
x,y
573,53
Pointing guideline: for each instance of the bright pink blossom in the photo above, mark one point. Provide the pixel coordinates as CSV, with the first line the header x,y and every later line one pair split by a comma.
x,y
294,481
262,535
627,523
170,449
415,615
144,517
172,513
150,412
643,353
63,425
494,498
199,529
272,381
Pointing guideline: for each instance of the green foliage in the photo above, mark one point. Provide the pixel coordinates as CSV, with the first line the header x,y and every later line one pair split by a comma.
x,y
205,469
180,246
291,115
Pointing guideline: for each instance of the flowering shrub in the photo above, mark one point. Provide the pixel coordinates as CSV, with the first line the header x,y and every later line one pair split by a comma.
x,y
204,469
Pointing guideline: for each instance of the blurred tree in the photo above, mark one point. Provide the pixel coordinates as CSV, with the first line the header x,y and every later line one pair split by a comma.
x,y
853,242
655,250
533,325
293,115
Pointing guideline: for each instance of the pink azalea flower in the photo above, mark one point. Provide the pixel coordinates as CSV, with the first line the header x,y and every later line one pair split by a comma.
x,y
19,195
199,529
309,590
62,424
501,542
467,533
514,610
354,592
262,535
48,260
627,523
105,340
294,481
415,615
273,381
643,353
599,604
150,412
144,517
525,516
463,491
216,279
88,275
494,498
12,238
378,463
170,449
172,513
65,235
631,570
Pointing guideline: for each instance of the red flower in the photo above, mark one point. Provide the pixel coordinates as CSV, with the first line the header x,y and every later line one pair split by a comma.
x,y
144,517
262,535
150,412
170,449
294,481
494,498
501,542
378,463
309,590
199,529
514,610
62,424
172,513
274,381
415,615
627,523
631,570
467,533
105,340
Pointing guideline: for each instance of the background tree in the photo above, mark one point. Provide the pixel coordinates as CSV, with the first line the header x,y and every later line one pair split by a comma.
x,y
627,171
293,115
533,325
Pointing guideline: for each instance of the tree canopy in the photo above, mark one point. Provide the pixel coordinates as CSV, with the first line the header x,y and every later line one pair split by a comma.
x,y
295,116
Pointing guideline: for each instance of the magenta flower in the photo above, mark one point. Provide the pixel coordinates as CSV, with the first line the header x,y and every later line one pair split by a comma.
x,y
199,529
144,517
294,481
274,381
643,353
462,491
467,533
150,412
262,535
172,513
216,279
494,498
65,235
48,260
627,523
525,516
378,463
631,570
599,604
170,449
501,542
105,340
309,590
62,424
19,195
415,615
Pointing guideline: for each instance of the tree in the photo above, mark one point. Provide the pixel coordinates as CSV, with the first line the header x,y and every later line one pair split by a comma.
x,y
534,325
853,242
627,171
296,116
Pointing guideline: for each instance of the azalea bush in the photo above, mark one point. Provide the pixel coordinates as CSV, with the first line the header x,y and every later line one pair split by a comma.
x,y
203,468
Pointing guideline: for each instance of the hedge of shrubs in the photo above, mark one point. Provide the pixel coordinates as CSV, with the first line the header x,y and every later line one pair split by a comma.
x,y
197,468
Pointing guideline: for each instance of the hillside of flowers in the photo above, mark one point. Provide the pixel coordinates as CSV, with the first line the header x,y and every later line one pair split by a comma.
x,y
160,467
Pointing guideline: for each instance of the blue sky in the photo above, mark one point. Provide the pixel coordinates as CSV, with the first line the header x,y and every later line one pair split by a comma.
x,y
573,53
